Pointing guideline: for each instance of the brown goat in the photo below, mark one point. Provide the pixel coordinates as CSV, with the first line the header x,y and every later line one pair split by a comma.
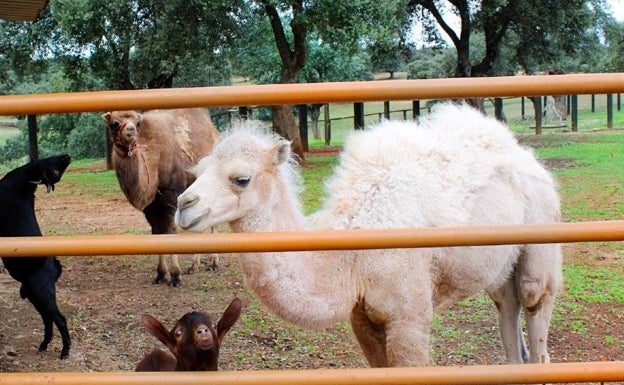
x,y
152,152
194,341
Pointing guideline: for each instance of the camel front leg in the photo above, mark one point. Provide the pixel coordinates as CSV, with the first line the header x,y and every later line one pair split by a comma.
x,y
175,271
161,270
408,341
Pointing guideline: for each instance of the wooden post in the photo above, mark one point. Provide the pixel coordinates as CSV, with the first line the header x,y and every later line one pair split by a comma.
x,y
522,108
244,112
33,146
327,124
358,115
387,109
593,103
574,112
303,126
538,114
415,109
498,109
609,111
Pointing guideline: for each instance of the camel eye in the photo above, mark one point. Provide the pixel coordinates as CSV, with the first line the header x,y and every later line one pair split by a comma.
x,y
115,125
241,181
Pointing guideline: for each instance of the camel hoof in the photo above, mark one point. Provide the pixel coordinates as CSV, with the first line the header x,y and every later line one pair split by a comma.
x,y
160,278
175,281
193,269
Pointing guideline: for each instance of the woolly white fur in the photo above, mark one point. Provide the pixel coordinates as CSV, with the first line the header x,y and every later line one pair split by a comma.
x,y
455,167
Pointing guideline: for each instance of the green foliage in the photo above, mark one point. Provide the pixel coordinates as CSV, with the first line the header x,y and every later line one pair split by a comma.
x,y
136,44
432,63
533,35
88,138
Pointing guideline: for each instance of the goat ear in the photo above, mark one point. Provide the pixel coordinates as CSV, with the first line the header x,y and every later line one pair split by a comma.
x,y
229,317
107,117
158,330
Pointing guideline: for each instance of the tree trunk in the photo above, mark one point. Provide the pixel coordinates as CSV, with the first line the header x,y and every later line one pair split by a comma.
x,y
293,60
284,123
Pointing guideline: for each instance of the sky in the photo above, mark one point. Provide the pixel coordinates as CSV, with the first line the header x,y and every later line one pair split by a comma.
x,y
617,7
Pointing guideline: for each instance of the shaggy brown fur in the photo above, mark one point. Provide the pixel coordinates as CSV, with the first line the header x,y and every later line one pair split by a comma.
x,y
151,154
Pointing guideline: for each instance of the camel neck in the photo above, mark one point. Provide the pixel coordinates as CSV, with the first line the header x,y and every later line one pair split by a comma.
x,y
283,281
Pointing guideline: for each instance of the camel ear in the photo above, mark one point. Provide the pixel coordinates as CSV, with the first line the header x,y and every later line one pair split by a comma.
x,y
230,316
107,117
158,330
282,152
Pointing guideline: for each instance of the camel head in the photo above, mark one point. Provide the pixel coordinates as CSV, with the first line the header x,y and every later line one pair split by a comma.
x,y
123,129
235,179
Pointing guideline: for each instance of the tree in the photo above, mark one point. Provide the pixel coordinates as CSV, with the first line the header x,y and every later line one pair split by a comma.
x,y
345,24
146,43
539,30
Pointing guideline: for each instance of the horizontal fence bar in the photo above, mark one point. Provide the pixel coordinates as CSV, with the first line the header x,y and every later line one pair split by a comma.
x,y
338,92
81,245
478,374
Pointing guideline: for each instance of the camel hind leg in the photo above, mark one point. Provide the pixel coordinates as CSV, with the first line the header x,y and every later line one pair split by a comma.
x,y
370,336
508,305
538,278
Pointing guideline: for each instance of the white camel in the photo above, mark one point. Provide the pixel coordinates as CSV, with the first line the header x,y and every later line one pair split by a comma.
x,y
455,168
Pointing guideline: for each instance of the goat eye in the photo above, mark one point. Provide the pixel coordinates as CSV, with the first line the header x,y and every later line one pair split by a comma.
x,y
241,181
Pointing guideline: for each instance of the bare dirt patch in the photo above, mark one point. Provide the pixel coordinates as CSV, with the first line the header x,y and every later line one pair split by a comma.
x,y
103,297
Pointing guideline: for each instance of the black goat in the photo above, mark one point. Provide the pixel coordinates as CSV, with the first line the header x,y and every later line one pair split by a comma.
x,y
194,341
38,275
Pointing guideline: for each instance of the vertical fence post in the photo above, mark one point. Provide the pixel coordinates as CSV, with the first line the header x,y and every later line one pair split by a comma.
x,y
609,111
538,114
33,146
244,112
593,103
415,109
327,124
498,109
522,108
303,125
387,109
574,112
358,115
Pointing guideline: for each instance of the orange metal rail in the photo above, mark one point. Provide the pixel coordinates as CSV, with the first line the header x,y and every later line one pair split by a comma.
x,y
273,94
478,374
311,240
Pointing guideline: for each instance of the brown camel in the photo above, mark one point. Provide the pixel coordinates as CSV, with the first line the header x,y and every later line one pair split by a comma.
x,y
152,152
